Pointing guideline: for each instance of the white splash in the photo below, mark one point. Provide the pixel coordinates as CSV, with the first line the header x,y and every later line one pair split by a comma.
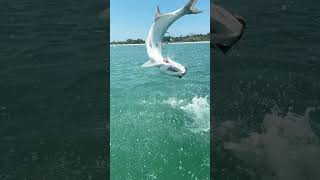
x,y
174,102
288,148
198,110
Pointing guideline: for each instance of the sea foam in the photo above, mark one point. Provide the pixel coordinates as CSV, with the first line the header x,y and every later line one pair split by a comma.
x,y
198,110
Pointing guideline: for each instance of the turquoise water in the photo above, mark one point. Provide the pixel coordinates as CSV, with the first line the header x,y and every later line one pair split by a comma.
x,y
160,124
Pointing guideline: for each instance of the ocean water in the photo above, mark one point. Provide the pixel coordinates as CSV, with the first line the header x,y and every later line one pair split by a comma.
x,y
159,124
266,94
53,96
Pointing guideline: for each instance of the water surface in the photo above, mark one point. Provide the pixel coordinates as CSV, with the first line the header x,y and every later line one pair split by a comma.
x,y
266,96
160,123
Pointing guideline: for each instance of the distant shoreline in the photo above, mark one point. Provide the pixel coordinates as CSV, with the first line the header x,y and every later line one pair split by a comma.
x,y
196,42
170,39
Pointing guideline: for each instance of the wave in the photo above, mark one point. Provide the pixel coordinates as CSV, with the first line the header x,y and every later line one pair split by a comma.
x,y
287,148
198,110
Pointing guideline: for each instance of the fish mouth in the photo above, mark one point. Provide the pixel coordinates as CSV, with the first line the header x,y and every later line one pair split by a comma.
x,y
181,75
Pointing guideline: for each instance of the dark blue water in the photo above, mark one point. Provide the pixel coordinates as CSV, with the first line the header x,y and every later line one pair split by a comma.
x,y
266,94
52,90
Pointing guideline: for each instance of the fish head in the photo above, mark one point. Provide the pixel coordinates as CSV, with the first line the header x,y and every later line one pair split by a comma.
x,y
174,69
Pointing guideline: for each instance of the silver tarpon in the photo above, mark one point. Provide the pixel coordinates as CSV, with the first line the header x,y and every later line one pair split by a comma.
x,y
156,34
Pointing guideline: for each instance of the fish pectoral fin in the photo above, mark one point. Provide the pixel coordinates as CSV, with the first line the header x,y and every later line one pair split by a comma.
x,y
150,64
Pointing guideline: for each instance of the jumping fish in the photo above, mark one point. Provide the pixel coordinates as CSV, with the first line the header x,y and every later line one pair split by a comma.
x,y
156,34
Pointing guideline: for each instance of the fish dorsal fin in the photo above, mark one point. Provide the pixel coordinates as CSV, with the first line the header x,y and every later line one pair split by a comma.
x,y
157,13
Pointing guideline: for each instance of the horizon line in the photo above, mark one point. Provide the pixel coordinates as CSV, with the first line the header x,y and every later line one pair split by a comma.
x,y
170,36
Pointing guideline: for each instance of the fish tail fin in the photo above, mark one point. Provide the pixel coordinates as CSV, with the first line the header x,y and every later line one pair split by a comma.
x,y
241,19
190,9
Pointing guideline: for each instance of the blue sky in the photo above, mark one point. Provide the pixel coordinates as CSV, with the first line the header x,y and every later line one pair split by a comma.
x,y
133,18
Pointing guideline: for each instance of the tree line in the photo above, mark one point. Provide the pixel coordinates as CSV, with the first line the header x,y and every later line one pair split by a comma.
x,y
170,39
